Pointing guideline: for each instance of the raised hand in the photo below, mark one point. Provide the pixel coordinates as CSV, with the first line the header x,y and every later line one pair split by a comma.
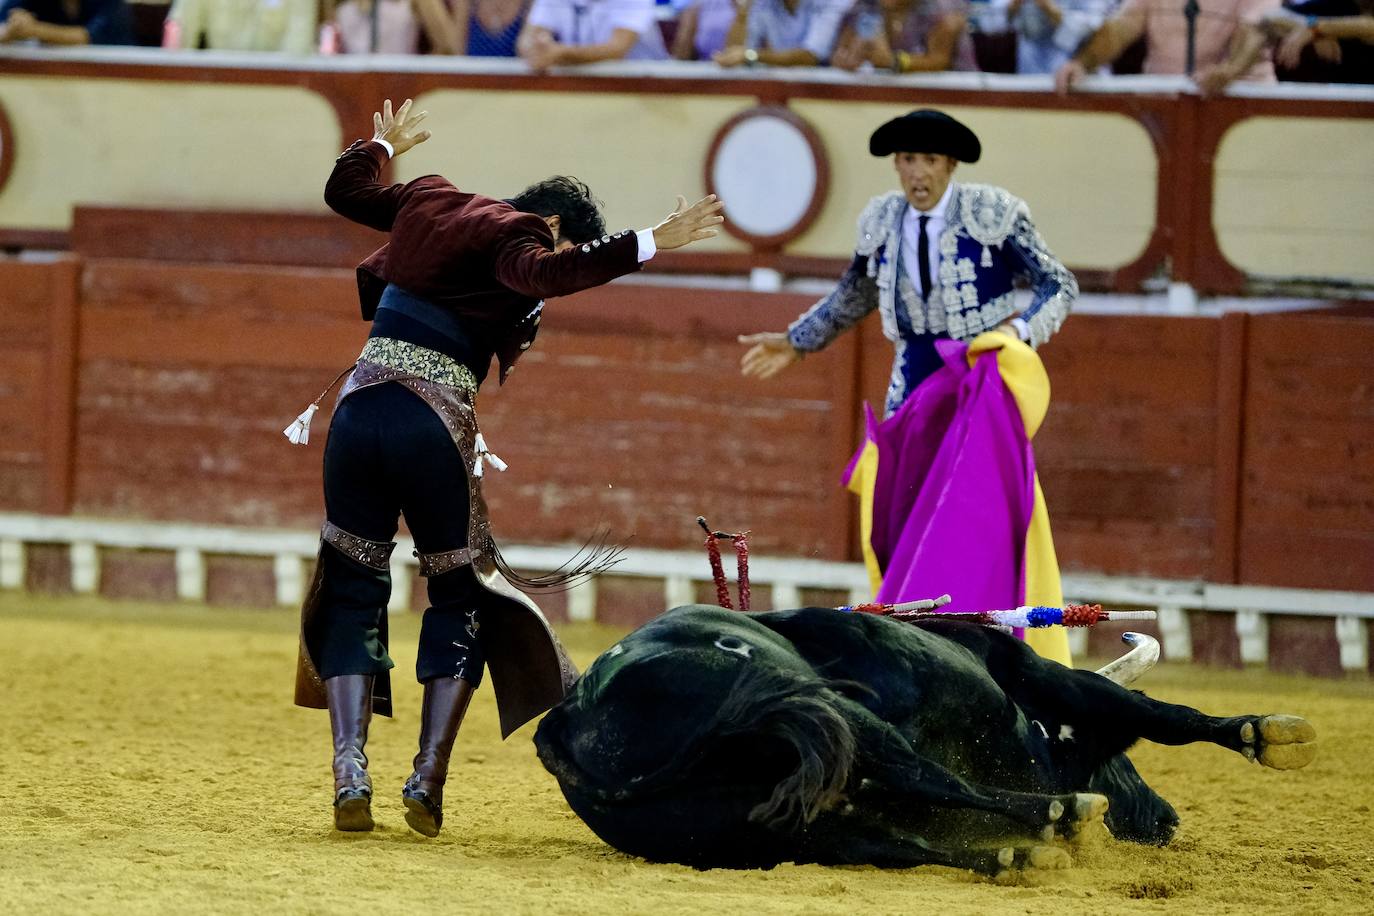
x,y
771,353
400,130
692,224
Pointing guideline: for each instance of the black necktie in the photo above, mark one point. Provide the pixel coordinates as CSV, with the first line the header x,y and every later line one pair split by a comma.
x,y
923,257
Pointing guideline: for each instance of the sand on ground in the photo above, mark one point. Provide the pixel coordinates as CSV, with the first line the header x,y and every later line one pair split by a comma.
x,y
153,763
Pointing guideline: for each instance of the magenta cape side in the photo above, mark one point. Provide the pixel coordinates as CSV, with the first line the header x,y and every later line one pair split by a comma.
x,y
954,489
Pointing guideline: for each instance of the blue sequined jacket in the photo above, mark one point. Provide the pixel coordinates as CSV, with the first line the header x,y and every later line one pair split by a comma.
x,y
988,241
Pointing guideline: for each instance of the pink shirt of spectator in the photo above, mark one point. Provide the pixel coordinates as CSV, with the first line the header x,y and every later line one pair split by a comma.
x,y
1166,33
398,31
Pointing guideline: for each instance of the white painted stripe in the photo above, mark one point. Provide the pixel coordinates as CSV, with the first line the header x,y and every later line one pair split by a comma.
x,y
190,567
581,599
12,563
679,570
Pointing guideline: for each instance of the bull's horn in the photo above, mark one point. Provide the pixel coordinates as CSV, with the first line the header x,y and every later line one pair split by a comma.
x,y
1142,657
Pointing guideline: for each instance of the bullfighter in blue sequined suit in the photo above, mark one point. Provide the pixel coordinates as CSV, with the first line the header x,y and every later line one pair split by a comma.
x,y
982,240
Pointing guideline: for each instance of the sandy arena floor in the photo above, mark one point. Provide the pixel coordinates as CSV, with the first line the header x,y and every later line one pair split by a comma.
x,y
153,763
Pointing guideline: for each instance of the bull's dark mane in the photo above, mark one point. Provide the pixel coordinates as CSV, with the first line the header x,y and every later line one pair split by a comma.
x,y
802,712
767,709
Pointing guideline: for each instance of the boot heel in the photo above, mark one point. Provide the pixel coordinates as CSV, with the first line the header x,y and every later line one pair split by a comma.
x,y
353,811
422,814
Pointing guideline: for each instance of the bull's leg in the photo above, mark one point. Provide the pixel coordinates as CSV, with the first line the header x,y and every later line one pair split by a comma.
x,y
1113,718
890,759
842,839
1281,742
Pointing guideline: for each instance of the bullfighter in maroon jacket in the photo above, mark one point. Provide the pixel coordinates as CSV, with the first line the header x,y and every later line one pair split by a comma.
x,y
462,281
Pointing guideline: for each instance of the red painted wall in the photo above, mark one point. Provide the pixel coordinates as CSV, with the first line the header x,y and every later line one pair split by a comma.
x,y
1229,450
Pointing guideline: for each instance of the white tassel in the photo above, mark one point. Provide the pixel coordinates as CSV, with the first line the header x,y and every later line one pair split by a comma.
x,y
986,260
480,447
299,430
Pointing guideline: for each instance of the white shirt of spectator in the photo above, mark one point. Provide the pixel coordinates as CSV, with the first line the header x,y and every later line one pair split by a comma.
x,y
911,233
593,22
814,27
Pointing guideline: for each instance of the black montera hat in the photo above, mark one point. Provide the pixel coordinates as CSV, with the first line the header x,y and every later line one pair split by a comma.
x,y
926,131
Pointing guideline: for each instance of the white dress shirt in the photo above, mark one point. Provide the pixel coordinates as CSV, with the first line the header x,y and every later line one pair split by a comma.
x,y
911,233
645,237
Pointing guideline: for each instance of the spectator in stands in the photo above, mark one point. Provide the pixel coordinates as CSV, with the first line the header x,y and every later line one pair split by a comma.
x,y
783,33
66,22
1340,34
560,33
401,24
489,28
907,36
1220,25
398,28
1048,32
702,28
243,25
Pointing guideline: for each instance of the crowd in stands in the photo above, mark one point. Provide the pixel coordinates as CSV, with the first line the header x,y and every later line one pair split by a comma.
x,y
1246,40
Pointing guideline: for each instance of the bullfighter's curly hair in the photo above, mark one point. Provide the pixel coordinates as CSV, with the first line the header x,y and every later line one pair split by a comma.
x,y
578,210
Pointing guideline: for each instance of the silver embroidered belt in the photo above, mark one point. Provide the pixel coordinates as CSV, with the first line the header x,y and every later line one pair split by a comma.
x,y
419,362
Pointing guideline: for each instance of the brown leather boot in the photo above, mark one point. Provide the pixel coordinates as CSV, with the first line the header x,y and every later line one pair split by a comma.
x,y
446,702
350,710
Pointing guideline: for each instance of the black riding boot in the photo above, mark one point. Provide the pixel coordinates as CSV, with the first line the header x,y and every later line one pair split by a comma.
x,y
446,701
350,709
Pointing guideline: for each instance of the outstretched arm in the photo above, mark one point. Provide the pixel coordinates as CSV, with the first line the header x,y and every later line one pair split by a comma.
x,y
353,191
1107,44
21,25
854,297
524,262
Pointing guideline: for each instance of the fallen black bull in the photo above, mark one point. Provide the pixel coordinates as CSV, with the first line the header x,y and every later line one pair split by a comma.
x,y
723,739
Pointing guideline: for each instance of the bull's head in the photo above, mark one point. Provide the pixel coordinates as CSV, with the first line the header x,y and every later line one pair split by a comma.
x,y
707,698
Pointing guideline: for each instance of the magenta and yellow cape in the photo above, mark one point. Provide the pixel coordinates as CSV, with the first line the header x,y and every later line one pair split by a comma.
x,y
949,498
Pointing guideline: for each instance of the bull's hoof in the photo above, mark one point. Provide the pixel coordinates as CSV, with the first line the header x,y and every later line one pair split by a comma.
x,y
1072,814
353,811
1280,742
1015,859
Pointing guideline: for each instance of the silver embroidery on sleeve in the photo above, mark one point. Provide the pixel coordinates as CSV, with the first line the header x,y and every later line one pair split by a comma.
x,y
1055,286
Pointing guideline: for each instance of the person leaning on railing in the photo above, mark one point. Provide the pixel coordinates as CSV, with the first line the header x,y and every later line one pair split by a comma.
x,y
907,36
1048,32
1221,26
1339,32
560,33
488,28
783,33
243,25
352,23
703,27
66,22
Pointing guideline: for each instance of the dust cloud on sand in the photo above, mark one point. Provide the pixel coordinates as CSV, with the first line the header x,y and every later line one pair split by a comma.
x,y
153,763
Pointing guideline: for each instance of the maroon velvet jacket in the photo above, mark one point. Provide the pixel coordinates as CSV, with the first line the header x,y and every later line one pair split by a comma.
x,y
480,257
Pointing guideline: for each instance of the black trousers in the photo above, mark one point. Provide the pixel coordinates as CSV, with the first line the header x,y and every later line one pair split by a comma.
x,y
388,455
